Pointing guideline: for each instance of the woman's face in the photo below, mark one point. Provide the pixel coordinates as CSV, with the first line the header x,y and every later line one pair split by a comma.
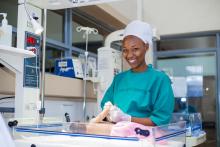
x,y
133,50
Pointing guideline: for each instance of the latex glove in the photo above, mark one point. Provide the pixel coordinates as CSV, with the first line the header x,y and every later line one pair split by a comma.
x,y
117,115
105,112
107,105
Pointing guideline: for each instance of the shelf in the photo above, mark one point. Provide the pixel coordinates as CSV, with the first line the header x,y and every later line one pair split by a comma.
x,y
15,51
58,86
63,4
55,86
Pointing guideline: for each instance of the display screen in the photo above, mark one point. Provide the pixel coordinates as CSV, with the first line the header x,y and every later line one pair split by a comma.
x,y
31,40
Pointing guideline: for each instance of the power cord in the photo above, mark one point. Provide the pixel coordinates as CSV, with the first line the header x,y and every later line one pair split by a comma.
x,y
7,97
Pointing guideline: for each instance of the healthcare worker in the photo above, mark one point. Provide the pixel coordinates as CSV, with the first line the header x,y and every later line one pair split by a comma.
x,y
142,94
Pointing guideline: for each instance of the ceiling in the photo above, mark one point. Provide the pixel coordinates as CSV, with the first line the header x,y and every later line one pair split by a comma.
x,y
95,17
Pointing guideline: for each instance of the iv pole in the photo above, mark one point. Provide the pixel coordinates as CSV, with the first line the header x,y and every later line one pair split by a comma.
x,y
86,33
42,110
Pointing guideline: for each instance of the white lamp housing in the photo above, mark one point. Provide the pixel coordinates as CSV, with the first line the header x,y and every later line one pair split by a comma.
x,y
38,29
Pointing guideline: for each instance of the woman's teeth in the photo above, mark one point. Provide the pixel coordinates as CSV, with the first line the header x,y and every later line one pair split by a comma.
x,y
131,61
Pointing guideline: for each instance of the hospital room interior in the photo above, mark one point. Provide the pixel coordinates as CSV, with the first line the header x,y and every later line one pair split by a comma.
x,y
71,73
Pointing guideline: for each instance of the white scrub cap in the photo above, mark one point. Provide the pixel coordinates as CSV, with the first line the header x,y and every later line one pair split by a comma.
x,y
139,29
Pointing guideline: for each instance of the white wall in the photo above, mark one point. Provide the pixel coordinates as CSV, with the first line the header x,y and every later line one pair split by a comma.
x,y
172,16
181,16
123,10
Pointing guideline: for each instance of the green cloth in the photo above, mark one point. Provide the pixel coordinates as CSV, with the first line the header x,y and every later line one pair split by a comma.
x,y
146,94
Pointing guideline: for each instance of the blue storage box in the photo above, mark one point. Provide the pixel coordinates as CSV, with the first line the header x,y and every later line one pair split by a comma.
x,y
64,67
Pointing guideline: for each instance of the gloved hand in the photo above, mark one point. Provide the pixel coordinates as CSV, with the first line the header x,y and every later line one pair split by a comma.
x,y
105,112
117,115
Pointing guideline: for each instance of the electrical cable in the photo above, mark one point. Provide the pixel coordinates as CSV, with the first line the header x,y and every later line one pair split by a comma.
x,y
25,7
36,67
7,97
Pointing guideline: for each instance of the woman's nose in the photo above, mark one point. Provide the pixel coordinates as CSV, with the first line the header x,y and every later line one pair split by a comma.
x,y
130,54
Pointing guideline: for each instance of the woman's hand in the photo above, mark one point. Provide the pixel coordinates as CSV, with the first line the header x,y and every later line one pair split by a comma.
x,y
117,115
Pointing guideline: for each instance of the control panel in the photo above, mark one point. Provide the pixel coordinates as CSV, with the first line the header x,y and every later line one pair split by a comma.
x,y
32,65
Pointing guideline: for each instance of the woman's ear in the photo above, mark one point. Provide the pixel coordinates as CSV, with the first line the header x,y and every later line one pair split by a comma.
x,y
146,46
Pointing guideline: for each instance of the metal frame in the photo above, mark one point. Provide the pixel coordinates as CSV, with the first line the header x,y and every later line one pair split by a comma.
x,y
184,51
218,90
216,50
155,52
189,35
67,29
42,89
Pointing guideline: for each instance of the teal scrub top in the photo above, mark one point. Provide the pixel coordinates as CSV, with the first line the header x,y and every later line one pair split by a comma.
x,y
146,94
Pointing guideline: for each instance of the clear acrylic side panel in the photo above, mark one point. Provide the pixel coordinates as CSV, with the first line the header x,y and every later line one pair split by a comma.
x,y
72,135
63,128
172,135
26,131
193,122
98,135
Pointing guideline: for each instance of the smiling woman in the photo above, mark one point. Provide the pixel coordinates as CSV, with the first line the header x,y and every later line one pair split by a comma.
x,y
141,94
137,37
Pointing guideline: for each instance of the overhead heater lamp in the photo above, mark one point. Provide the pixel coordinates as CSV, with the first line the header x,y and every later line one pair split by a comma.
x,y
38,29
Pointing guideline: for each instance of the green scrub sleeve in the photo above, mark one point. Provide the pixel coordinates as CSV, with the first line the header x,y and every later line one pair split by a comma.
x,y
164,103
108,95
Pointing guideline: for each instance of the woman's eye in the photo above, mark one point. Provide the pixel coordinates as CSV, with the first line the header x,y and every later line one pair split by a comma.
x,y
124,50
135,49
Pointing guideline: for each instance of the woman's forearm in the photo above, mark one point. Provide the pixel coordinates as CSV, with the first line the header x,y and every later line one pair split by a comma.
x,y
143,121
